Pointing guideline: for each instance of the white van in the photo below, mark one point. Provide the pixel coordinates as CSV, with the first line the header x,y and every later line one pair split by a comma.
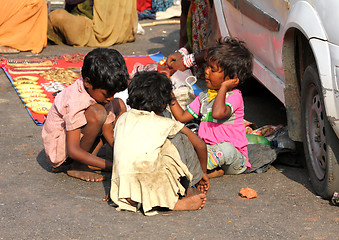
x,y
295,44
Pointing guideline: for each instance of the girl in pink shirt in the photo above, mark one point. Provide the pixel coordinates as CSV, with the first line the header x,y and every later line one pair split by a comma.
x,y
82,116
222,108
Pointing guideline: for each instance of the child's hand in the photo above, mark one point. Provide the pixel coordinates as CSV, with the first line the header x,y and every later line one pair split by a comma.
x,y
204,184
230,84
174,61
173,57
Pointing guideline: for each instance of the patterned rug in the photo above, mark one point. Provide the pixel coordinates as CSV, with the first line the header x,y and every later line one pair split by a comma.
x,y
38,80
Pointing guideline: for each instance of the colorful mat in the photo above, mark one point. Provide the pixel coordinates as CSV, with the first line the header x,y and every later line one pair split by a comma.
x,y
38,80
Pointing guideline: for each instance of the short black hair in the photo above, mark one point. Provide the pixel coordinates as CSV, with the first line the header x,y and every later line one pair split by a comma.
x,y
150,91
233,57
105,69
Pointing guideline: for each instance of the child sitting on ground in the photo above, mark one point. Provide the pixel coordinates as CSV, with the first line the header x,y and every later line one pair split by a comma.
x,y
222,108
82,116
154,159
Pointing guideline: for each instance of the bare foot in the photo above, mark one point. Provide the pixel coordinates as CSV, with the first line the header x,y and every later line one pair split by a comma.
x,y
190,203
83,172
5,49
191,191
215,173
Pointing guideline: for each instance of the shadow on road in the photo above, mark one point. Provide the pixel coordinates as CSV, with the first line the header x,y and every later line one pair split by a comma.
x,y
43,162
167,41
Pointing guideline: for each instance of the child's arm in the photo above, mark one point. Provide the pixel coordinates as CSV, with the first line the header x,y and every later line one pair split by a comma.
x,y
201,150
220,110
119,108
81,155
178,112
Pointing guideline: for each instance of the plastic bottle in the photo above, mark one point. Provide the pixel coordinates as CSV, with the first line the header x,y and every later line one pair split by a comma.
x,y
280,139
284,142
254,139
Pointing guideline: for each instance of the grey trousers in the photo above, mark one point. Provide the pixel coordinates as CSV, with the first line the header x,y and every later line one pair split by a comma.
x,y
231,160
188,156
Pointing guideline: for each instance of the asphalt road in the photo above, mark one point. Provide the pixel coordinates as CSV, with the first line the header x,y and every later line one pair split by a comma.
x,y
36,203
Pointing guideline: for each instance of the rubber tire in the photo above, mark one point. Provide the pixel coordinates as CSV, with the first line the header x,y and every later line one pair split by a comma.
x,y
324,178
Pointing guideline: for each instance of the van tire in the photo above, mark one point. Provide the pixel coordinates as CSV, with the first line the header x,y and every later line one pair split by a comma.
x,y
320,142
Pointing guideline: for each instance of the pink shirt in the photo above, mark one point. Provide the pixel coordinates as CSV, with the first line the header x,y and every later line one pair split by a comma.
x,y
67,113
230,130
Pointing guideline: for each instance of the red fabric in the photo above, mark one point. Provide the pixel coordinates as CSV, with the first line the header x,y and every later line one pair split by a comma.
x,y
144,4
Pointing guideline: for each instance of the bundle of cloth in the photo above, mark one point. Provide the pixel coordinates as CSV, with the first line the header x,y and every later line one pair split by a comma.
x,y
147,9
94,23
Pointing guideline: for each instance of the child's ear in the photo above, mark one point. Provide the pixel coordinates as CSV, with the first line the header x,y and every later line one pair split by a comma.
x,y
236,81
87,82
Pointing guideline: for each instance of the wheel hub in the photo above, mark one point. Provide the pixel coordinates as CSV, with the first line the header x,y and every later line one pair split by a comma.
x,y
316,135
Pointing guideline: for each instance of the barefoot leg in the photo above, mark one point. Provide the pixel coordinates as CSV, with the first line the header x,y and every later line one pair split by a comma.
x,y
216,173
192,192
98,145
190,203
91,141
83,172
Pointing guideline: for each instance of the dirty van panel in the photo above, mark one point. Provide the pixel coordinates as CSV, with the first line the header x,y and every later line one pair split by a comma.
x,y
262,31
233,17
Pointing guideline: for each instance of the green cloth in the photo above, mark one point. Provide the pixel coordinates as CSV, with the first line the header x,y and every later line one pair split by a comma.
x,y
83,8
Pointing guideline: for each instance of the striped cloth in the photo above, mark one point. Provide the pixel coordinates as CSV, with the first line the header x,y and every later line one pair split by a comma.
x,y
212,159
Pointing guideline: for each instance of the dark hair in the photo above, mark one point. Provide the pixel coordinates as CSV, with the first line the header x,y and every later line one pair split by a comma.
x,y
150,91
105,69
233,57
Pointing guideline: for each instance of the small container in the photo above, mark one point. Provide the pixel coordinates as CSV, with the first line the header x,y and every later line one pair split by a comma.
x,y
162,65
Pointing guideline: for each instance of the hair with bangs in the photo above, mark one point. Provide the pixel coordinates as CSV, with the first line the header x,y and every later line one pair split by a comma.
x,y
105,69
233,57
150,91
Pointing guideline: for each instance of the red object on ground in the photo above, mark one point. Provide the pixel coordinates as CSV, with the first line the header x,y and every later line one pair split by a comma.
x,y
248,193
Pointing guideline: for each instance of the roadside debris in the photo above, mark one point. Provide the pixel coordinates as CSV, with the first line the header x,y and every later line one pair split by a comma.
x,y
335,198
248,193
